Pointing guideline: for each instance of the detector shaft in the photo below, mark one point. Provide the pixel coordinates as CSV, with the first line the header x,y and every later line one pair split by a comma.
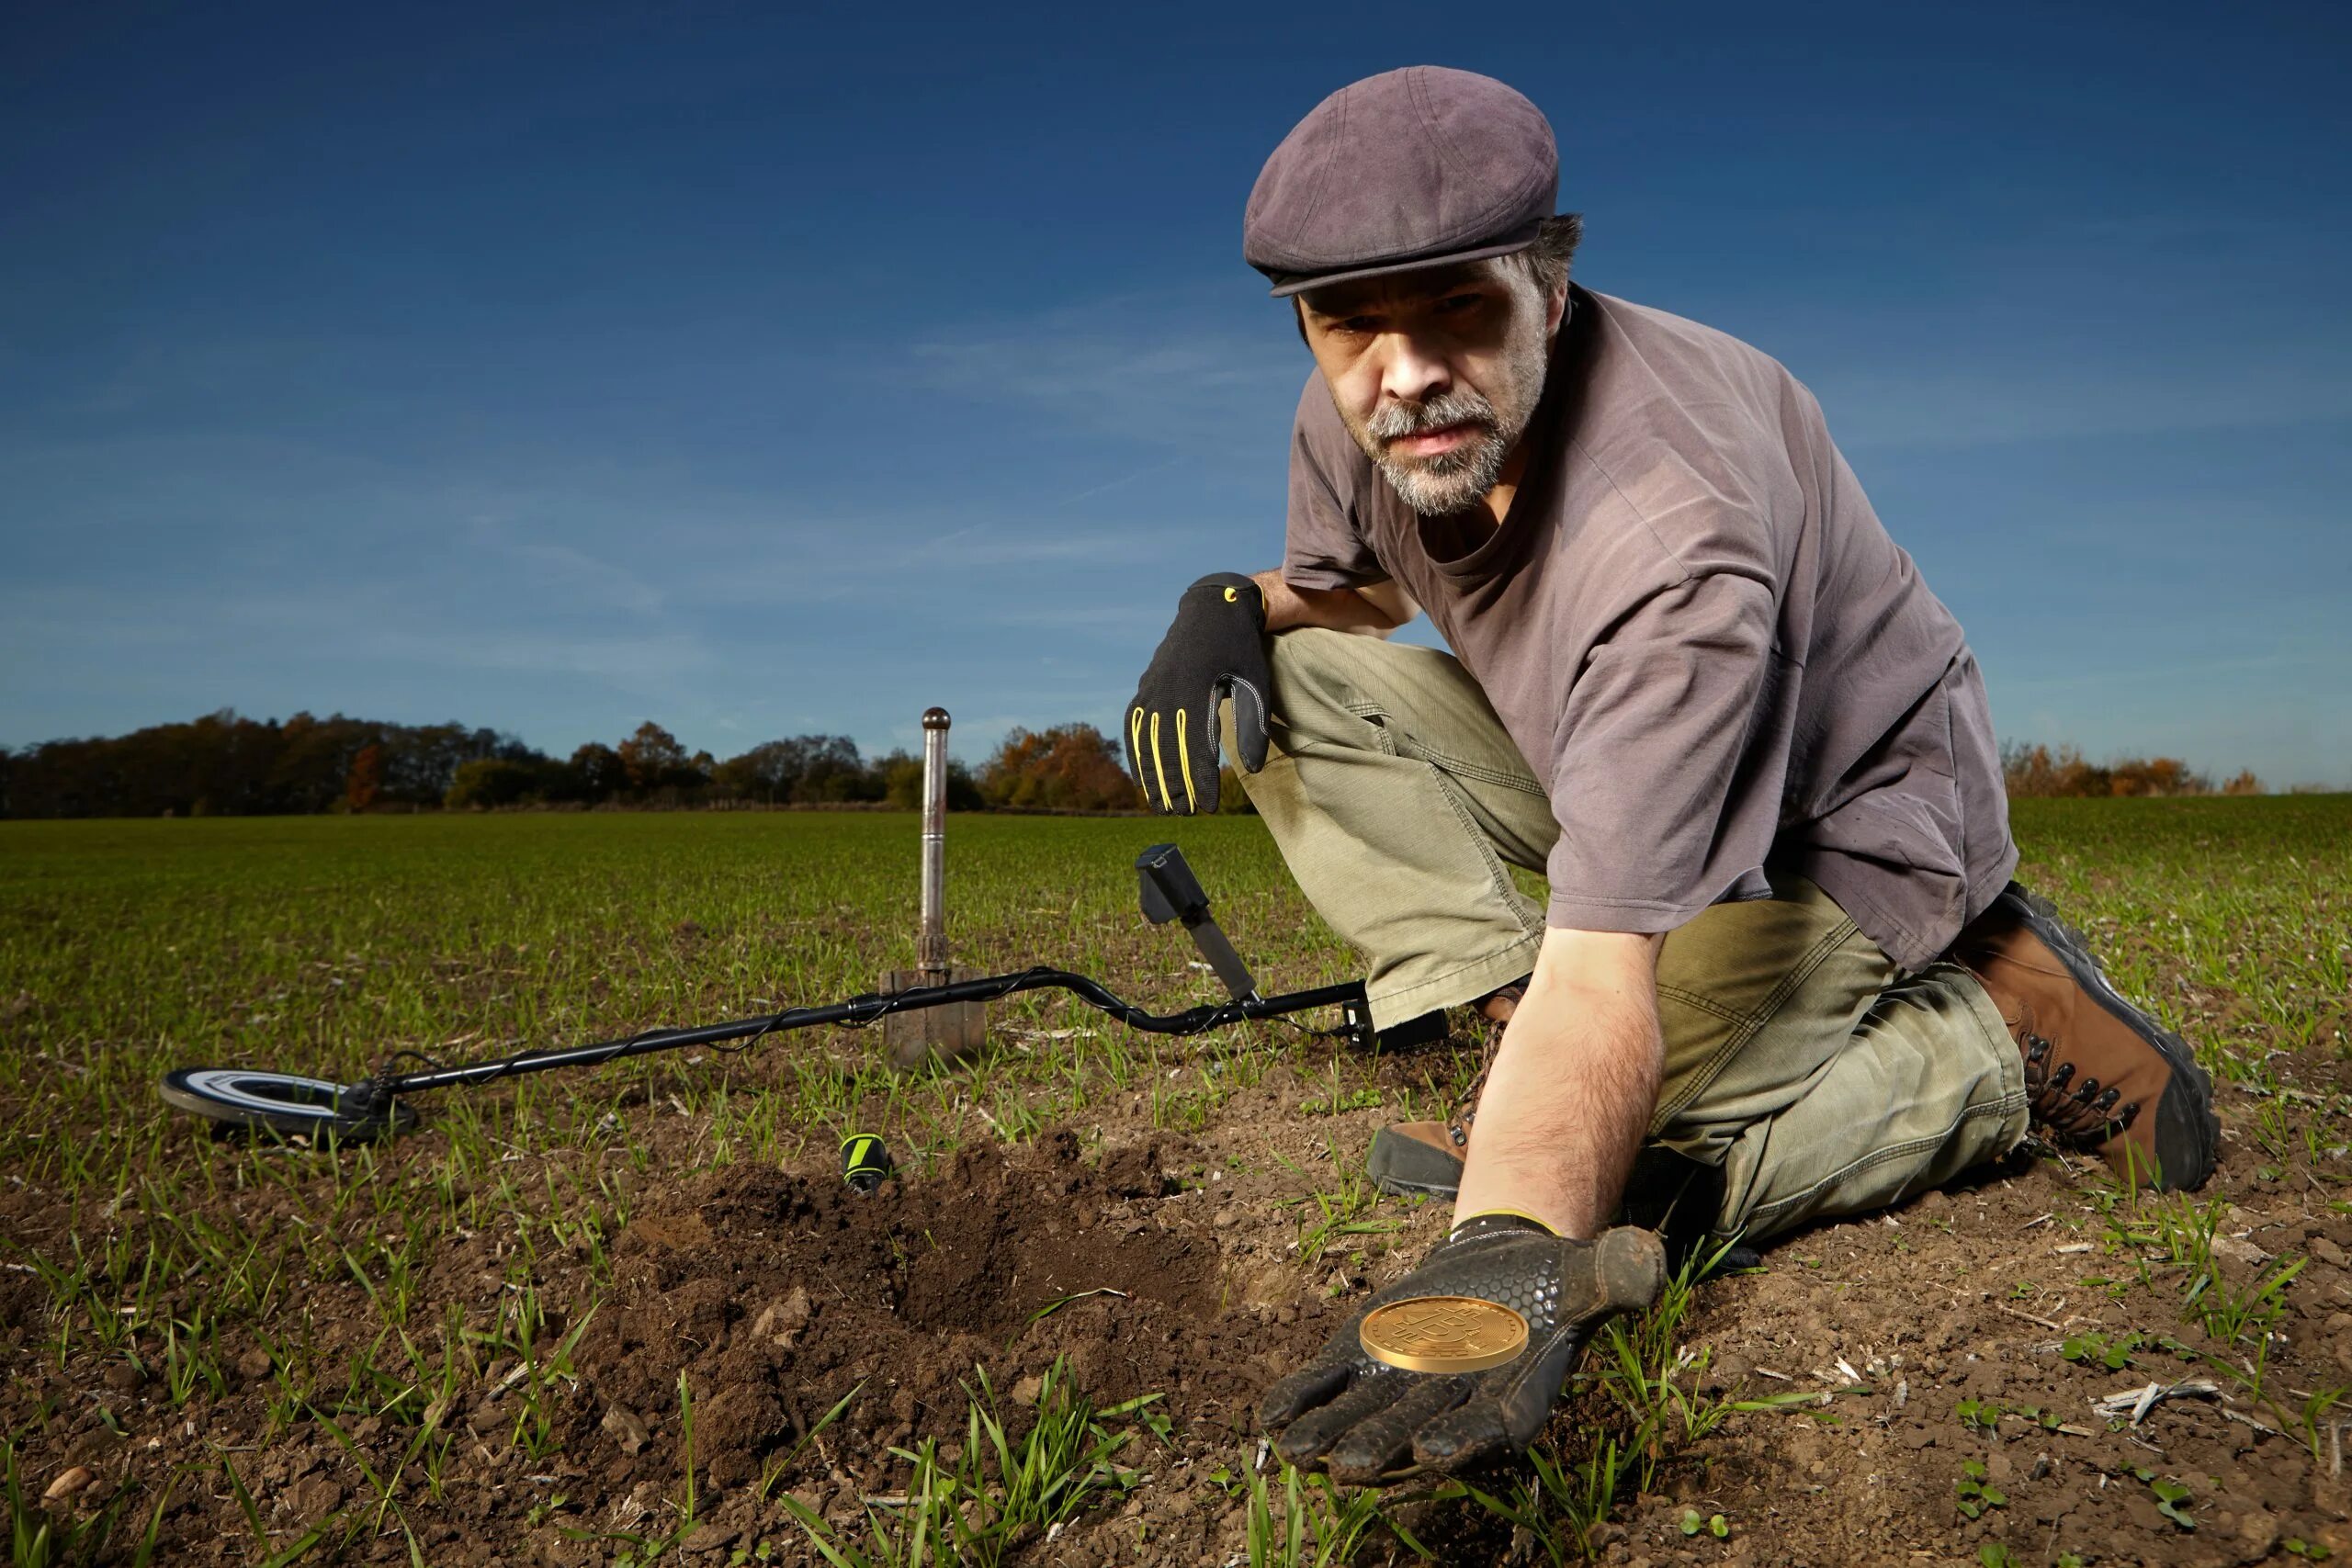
x,y
866,1009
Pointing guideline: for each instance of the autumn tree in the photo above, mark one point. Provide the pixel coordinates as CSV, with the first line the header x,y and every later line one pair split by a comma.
x,y
2156,777
1071,767
365,782
652,757
2029,771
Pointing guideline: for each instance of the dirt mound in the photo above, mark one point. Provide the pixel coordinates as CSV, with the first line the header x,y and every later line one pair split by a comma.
x,y
774,1295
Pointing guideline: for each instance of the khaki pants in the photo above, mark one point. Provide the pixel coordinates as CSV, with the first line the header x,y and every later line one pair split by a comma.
x,y
1819,1076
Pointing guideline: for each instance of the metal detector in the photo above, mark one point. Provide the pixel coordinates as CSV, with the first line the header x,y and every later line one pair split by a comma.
x,y
290,1106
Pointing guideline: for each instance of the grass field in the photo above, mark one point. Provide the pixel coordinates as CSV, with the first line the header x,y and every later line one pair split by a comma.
x,y
630,1312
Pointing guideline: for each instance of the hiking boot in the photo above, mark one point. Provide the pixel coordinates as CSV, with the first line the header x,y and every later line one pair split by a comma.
x,y
2103,1075
1425,1158
1420,1157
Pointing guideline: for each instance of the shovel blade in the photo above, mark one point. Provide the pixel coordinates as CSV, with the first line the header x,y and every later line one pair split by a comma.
x,y
946,1034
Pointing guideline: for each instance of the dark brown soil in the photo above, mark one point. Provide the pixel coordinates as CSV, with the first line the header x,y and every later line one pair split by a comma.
x,y
782,1294
1156,1263
1932,1317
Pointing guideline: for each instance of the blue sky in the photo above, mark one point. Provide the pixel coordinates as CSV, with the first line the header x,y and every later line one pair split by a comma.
x,y
766,369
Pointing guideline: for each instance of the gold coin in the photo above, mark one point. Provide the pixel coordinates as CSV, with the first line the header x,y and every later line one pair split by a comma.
x,y
1443,1334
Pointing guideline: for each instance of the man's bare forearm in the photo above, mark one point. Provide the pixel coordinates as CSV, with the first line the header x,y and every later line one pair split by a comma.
x,y
1378,609
1574,1083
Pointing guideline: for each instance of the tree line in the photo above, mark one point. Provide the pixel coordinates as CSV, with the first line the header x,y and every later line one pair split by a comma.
x,y
225,765
2037,770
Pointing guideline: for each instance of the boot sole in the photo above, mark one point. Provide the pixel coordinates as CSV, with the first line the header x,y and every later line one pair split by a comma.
x,y
2178,1124
1407,1168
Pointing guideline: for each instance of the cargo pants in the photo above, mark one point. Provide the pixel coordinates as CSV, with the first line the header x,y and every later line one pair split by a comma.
x,y
1820,1077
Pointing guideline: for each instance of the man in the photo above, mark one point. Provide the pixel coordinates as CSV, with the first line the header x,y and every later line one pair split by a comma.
x,y
1701,690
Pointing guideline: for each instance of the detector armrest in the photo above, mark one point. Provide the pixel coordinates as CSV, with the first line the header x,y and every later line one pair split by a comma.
x,y
1170,892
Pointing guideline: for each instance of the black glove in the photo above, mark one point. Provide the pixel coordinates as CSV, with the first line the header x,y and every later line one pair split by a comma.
x,y
1217,649
1368,1421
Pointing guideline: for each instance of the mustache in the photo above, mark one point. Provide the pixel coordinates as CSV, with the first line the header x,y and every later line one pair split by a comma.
x,y
1391,421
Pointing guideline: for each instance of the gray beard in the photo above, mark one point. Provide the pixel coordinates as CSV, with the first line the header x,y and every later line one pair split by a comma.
x,y
1435,487
1452,481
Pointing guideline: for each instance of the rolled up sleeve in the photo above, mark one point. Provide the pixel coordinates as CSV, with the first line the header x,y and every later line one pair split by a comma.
x,y
1664,783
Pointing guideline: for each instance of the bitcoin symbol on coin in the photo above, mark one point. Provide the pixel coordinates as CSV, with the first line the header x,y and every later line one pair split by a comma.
x,y
1443,1334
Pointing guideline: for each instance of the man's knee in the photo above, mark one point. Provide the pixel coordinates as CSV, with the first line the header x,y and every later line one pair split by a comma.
x,y
1317,700
1340,688
1312,669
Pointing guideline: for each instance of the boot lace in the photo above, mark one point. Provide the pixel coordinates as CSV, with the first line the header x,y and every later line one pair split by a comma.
x,y
2081,1113
1462,1108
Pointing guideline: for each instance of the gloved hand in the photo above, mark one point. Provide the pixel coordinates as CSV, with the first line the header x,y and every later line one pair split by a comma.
x,y
1216,648
1368,1421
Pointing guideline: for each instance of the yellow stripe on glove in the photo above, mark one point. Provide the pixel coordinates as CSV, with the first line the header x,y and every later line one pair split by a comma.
x,y
1185,763
1166,800
1135,741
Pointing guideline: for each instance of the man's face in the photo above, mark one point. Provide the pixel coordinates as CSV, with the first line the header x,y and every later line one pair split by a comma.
x,y
1435,373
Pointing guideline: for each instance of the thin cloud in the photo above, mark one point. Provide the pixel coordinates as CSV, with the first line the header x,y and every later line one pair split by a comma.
x,y
1124,481
581,573
1215,391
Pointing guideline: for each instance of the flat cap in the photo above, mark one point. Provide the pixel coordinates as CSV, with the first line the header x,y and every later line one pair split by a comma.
x,y
1406,169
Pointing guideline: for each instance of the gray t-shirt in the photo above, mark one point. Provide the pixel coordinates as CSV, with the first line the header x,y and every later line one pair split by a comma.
x,y
1700,638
